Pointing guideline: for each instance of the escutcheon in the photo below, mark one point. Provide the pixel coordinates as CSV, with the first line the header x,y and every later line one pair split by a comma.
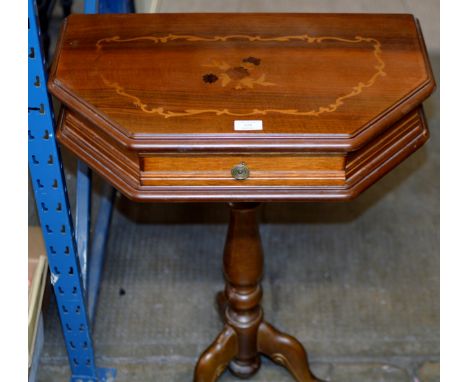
x,y
240,172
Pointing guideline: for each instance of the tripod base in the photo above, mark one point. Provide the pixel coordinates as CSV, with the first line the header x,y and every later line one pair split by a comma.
x,y
246,335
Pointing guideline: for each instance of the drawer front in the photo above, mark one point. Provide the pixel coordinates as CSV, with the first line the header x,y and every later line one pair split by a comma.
x,y
241,170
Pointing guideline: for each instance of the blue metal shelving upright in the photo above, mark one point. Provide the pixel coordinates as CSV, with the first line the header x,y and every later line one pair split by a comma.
x,y
67,259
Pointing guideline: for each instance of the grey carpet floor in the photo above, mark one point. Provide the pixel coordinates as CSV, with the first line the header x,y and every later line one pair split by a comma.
x,y
357,283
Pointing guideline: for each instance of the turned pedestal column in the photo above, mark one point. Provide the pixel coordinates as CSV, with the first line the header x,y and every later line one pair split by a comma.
x,y
246,335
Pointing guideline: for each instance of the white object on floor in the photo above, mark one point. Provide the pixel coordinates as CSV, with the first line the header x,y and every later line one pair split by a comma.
x,y
36,355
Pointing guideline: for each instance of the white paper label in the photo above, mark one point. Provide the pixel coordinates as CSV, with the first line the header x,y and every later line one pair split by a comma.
x,y
248,125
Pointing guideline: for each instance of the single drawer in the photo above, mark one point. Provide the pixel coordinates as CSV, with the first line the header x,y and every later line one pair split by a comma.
x,y
248,169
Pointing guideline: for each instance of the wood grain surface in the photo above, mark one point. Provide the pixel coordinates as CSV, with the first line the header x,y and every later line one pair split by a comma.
x,y
150,102
324,81
196,176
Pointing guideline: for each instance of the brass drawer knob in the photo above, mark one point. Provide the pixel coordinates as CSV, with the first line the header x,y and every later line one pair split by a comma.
x,y
240,172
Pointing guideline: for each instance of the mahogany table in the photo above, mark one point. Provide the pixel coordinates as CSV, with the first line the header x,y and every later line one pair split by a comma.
x,y
242,108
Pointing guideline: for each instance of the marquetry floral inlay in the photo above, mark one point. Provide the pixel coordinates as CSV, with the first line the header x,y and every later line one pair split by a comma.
x,y
245,75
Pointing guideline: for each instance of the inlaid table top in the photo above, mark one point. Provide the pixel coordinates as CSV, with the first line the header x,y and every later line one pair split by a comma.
x,y
242,106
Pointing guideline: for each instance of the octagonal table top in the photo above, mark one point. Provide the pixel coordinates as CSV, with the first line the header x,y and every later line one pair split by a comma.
x,y
188,107
324,79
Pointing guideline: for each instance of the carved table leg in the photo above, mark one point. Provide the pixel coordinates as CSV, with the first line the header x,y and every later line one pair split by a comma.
x,y
216,358
246,335
286,351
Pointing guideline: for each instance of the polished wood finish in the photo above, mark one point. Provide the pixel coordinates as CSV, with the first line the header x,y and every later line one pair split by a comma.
x,y
246,334
335,81
150,102
289,175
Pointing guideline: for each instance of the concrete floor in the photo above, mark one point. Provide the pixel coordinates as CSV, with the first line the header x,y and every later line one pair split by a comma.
x,y
357,283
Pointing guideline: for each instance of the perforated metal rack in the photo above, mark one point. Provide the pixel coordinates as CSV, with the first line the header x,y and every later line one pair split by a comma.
x,y
74,278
